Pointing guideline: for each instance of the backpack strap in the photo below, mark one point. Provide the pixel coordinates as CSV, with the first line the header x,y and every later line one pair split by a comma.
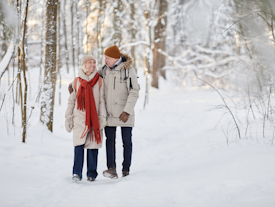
x,y
131,86
75,82
102,72
100,82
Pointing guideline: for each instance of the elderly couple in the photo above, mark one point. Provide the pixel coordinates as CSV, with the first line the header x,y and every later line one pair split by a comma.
x,y
102,99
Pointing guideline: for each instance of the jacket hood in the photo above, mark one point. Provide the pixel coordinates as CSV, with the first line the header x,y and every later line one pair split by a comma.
x,y
127,60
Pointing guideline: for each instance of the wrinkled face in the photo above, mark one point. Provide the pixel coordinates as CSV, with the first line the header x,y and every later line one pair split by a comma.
x,y
90,65
110,61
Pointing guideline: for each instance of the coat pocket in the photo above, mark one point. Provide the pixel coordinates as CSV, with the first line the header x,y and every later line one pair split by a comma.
x,y
119,107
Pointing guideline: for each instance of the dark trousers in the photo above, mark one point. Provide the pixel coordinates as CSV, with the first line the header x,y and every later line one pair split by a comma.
x,y
126,133
91,161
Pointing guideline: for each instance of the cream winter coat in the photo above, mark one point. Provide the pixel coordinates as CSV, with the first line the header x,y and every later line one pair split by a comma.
x,y
121,91
77,118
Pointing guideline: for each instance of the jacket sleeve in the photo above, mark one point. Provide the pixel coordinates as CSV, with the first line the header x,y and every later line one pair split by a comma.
x,y
71,104
69,112
102,107
133,88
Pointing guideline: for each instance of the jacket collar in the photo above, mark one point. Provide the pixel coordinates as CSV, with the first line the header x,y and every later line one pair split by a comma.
x,y
83,76
126,62
116,64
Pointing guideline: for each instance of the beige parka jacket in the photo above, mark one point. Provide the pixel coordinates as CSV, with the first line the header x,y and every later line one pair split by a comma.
x,y
121,91
78,117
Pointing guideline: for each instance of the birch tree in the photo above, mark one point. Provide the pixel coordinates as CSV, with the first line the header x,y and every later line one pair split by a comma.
x,y
23,69
117,23
48,91
65,35
72,34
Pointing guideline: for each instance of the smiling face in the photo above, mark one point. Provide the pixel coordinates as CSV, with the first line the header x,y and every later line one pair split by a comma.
x,y
110,61
90,65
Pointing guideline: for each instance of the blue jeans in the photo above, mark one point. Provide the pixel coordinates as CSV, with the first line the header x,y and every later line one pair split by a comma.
x,y
126,133
91,161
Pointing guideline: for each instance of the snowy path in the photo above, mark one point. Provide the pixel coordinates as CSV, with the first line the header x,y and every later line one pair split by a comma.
x,y
177,161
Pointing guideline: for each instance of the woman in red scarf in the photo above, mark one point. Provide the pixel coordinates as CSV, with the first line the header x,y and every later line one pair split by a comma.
x,y
86,116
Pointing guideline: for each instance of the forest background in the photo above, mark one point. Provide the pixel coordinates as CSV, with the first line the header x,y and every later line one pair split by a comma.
x,y
226,45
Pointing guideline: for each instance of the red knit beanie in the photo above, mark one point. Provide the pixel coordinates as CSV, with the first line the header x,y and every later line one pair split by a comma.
x,y
113,52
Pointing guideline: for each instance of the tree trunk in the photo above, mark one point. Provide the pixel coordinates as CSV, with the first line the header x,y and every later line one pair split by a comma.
x,y
48,92
13,98
65,36
87,21
42,51
149,33
159,43
59,50
78,39
72,34
155,72
133,32
59,63
24,68
99,26
117,23
3,45
103,16
145,63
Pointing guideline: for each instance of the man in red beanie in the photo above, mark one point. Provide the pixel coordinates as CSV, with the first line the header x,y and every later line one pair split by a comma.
x,y
121,91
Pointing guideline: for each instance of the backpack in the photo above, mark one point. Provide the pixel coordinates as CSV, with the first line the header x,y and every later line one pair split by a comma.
x,y
103,73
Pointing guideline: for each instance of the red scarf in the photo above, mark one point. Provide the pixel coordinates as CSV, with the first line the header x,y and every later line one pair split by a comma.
x,y
86,101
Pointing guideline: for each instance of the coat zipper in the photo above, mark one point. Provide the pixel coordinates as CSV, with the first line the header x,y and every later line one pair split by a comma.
x,y
114,82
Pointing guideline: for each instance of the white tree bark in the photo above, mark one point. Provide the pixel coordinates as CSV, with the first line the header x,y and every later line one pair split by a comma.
x,y
48,91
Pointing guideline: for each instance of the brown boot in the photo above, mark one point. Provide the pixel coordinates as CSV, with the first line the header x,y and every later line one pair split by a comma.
x,y
125,173
110,173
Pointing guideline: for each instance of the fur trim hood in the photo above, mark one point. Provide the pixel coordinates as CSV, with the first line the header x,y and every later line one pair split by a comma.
x,y
127,60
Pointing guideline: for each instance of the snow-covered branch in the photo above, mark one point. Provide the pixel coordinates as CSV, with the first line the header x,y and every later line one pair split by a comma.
x,y
6,60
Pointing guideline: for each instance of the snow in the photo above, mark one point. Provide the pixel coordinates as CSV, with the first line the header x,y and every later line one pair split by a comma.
x,y
178,160
134,44
8,11
6,60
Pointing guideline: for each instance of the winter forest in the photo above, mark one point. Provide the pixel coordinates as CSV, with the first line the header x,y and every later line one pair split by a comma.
x,y
205,118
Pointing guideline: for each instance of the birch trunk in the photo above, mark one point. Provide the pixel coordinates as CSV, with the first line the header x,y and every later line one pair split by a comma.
x,y
78,38
24,68
65,36
72,34
48,92
87,21
116,22
133,32
59,50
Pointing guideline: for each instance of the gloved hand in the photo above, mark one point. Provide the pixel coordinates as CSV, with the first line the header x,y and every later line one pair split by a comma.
x,y
124,116
69,123
102,122
70,88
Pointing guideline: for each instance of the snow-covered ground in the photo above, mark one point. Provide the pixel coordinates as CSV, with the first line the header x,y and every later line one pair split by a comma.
x,y
178,160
